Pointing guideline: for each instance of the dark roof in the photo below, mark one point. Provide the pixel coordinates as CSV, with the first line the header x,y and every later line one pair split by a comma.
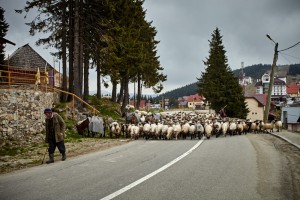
x,y
26,56
277,81
259,83
260,98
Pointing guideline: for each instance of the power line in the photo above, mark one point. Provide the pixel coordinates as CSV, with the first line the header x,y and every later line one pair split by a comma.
x,y
290,47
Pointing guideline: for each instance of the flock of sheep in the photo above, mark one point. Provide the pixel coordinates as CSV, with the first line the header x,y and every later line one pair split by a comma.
x,y
180,125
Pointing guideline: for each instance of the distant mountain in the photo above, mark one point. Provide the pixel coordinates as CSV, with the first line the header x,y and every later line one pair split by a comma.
x,y
292,72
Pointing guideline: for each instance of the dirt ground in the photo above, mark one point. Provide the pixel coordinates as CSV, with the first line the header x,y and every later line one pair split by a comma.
x,y
35,155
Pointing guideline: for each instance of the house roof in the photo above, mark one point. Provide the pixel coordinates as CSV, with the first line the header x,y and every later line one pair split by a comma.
x,y
292,89
26,56
260,98
195,98
277,81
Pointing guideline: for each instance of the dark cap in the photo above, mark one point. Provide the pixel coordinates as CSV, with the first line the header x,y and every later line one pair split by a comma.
x,y
48,110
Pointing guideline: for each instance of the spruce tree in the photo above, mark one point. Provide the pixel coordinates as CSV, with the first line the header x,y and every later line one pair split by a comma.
x,y
3,29
218,83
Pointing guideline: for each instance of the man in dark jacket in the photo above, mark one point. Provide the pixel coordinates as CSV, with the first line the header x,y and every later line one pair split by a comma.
x,y
55,134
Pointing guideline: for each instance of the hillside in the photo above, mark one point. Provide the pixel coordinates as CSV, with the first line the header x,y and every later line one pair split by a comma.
x,y
292,72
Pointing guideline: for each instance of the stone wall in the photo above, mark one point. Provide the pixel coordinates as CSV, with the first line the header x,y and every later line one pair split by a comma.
x,y
21,115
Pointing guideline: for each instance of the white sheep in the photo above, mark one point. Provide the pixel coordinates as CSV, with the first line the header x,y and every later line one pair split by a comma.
x,y
177,130
185,129
224,128
146,130
252,127
208,130
158,130
153,130
115,129
192,131
199,129
278,125
232,128
239,128
164,131
134,133
170,132
268,126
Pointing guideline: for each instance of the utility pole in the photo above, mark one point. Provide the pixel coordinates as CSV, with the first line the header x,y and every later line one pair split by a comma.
x,y
267,109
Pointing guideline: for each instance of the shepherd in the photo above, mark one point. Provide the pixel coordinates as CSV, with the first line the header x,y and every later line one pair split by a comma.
x,y
222,112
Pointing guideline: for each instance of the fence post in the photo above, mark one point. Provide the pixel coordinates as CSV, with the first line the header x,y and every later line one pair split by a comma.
x,y
8,72
73,105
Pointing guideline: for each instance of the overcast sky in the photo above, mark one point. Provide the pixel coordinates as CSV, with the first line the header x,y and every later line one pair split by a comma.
x,y
184,28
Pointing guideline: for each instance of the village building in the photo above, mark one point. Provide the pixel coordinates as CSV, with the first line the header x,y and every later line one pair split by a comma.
x,y
278,90
256,104
23,65
293,91
193,101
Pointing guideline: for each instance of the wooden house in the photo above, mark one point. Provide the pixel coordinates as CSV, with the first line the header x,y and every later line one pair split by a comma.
x,y
23,65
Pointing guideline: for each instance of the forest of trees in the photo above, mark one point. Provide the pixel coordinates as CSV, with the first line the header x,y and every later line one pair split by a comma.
x,y
294,70
111,36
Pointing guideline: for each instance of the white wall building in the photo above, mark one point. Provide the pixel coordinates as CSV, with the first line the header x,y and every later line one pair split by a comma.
x,y
279,86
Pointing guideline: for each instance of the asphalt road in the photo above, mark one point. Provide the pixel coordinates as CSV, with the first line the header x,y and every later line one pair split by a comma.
x,y
239,167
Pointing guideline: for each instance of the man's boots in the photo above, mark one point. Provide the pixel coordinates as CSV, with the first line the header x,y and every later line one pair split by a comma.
x,y
51,159
64,156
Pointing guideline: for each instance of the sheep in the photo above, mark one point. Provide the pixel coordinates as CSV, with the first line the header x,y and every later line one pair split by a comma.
x,y
253,127
245,127
268,126
164,131
278,125
260,126
239,128
170,132
141,127
146,130
224,128
208,130
199,130
177,130
115,129
134,133
185,130
217,128
153,130
232,128
142,119
192,131
158,130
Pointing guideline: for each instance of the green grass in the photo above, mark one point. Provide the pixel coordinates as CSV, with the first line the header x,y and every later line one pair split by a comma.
x,y
11,151
106,107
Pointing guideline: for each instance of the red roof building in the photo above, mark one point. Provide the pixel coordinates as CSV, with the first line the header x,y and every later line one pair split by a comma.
x,y
293,90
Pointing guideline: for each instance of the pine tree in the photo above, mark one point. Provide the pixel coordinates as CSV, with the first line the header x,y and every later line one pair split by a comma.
x,y
218,83
3,29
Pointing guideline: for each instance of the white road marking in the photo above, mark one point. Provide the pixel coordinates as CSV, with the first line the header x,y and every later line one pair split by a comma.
x,y
128,187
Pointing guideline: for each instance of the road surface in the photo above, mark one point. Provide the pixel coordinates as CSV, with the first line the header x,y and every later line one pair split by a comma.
x,y
239,167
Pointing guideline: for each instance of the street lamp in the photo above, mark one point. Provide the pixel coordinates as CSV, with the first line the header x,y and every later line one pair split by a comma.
x,y
267,109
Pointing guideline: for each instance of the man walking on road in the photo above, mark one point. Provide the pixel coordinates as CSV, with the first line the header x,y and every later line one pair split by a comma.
x,y
55,134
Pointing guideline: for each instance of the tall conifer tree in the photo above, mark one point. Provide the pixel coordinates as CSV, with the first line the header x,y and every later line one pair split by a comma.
x,y
218,83
3,29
